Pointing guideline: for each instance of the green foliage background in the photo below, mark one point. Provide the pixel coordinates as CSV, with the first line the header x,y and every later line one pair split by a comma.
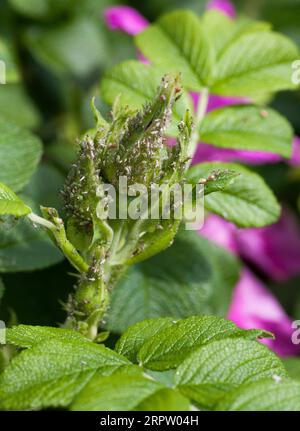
x,y
46,104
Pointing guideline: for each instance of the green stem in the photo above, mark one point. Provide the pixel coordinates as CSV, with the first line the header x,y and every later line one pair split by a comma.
x,y
95,318
58,234
200,114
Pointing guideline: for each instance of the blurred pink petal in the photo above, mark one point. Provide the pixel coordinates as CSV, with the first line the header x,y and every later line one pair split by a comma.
x,y
224,6
253,306
207,152
295,159
274,249
126,19
142,58
220,231
216,101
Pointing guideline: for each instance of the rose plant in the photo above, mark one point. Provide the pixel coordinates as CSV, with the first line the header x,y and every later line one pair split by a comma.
x,y
193,104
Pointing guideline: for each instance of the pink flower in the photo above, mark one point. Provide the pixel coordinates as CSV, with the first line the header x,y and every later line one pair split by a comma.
x,y
295,159
274,249
221,232
224,6
253,306
216,101
126,19
278,255
207,152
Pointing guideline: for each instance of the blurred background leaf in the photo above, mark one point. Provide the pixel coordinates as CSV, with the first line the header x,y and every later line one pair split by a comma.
x,y
169,284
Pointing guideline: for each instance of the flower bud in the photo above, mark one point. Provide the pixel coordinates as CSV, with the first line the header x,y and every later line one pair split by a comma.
x,y
139,152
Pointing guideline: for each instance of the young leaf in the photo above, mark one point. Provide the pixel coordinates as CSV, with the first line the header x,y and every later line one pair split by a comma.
x,y
136,84
248,202
266,395
248,128
120,391
220,366
192,277
51,373
11,204
168,348
178,43
135,336
20,152
28,336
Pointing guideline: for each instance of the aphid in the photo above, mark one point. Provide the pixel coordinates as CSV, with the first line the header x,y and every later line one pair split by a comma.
x,y
264,114
276,378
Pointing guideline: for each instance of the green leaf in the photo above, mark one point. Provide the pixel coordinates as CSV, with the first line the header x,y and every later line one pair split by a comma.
x,y
11,204
218,180
135,336
53,372
119,391
168,348
292,366
239,58
177,43
8,56
164,377
27,336
193,276
136,84
248,202
44,187
248,128
20,152
24,247
220,366
266,395
254,63
165,399
223,31
44,9
2,288
17,107
75,47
